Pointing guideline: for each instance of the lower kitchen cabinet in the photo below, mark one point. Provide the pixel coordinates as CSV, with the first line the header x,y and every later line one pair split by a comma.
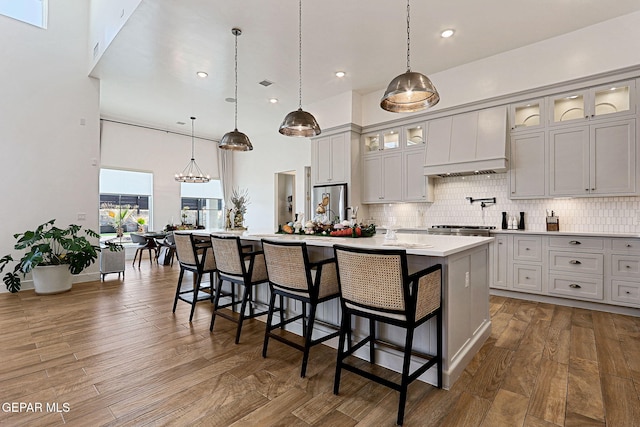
x,y
594,269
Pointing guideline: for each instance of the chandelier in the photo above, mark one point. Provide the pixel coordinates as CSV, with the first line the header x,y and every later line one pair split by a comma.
x,y
192,173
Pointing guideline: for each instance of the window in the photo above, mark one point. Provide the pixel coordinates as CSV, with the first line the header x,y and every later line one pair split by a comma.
x,y
125,201
202,213
201,205
32,12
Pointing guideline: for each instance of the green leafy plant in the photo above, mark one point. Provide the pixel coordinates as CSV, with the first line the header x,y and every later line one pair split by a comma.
x,y
50,245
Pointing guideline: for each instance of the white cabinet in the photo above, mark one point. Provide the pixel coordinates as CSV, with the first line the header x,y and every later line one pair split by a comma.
x,y
393,165
416,187
499,262
596,160
331,159
528,115
624,280
607,101
382,178
527,172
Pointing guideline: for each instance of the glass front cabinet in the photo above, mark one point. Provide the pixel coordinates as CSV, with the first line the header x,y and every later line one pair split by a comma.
x,y
527,115
593,103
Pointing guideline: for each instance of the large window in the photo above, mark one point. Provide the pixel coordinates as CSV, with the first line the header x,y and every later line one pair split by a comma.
x,y
202,213
125,201
201,205
32,12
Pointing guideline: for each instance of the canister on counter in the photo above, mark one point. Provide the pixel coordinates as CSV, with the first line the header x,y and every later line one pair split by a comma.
x,y
553,223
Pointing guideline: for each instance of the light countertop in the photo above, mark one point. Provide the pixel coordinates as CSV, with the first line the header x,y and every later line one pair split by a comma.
x,y
538,232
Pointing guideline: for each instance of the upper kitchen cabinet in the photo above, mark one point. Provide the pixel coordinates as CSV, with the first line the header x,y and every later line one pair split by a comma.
x,y
414,136
527,173
416,187
594,103
595,160
467,143
382,178
331,159
385,140
528,115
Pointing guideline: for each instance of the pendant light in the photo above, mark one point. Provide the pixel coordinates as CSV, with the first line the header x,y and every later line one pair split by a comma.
x,y
410,91
235,140
299,122
192,173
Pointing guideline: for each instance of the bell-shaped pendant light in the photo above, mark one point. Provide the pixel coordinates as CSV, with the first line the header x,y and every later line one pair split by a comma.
x,y
192,173
235,140
299,122
410,91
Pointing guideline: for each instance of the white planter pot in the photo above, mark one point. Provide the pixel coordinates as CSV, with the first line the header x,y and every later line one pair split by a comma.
x,y
51,279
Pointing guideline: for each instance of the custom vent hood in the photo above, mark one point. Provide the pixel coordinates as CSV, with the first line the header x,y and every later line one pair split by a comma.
x,y
472,143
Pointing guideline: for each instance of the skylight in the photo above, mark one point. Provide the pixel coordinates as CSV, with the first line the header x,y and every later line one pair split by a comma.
x,y
32,12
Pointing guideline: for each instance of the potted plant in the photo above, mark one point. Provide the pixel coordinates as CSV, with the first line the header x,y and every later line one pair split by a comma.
x,y
52,254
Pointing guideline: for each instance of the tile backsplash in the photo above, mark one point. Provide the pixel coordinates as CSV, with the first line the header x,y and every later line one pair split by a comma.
x,y
601,214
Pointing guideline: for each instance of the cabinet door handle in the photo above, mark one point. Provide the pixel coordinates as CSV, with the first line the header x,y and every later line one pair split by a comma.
x,y
574,242
575,261
527,277
628,266
629,245
526,249
499,243
627,292
575,286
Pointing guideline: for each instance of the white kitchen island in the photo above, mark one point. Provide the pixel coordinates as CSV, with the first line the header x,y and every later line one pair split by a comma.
x,y
466,321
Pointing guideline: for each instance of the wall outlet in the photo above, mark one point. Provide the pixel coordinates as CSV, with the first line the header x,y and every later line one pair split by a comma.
x,y
466,279
82,216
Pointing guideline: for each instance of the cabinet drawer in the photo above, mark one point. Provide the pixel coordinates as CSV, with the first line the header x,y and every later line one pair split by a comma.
x,y
629,245
625,292
576,243
527,278
625,265
576,262
576,287
526,248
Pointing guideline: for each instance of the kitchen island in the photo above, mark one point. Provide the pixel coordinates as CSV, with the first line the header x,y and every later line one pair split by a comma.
x,y
465,295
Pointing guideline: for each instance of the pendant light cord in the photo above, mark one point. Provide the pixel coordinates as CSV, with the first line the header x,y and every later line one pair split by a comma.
x,y
300,53
408,40
236,87
193,156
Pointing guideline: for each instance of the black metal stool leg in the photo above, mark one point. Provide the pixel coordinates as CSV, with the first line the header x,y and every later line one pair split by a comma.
x,y
272,302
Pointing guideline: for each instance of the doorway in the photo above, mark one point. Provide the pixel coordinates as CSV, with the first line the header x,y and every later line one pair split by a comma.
x,y
285,183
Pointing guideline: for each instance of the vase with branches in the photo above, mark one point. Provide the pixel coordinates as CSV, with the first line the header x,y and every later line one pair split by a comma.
x,y
239,201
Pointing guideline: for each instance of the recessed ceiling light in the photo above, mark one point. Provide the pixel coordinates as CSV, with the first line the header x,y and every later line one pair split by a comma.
x,y
180,123
273,100
202,74
613,88
447,33
340,73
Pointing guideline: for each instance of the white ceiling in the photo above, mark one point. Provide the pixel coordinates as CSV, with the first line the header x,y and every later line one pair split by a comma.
x,y
148,74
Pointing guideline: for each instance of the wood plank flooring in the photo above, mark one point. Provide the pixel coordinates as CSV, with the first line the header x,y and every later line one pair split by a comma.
x,y
112,354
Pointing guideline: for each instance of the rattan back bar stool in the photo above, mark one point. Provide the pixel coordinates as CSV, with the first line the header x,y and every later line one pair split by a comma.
x,y
293,276
375,284
237,266
194,255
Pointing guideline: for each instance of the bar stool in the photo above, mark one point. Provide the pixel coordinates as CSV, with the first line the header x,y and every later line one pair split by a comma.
x,y
195,255
293,276
375,285
237,267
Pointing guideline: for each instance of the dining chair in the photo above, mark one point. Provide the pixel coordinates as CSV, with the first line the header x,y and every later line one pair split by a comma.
x,y
237,266
168,245
375,285
196,256
143,243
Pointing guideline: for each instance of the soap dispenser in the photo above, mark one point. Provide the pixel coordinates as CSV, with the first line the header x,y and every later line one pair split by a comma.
x,y
521,223
505,224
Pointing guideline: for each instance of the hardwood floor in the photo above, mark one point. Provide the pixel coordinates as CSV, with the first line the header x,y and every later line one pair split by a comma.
x,y
112,353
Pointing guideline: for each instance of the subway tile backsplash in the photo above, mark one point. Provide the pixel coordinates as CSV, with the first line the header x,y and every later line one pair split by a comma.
x,y
603,214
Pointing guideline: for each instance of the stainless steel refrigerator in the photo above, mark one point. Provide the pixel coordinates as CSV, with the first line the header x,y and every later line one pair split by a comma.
x,y
331,201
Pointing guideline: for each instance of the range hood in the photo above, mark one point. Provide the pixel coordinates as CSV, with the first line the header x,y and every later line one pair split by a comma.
x,y
472,143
